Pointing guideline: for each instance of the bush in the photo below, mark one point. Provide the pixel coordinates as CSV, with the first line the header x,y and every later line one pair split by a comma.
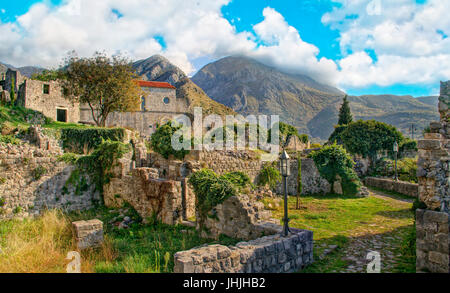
x,y
210,190
408,145
238,179
9,139
79,140
406,169
333,160
161,141
39,172
269,175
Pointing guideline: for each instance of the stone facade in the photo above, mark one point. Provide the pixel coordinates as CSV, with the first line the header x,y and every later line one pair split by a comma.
x,y
312,182
269,254
32,180
158,105
48,98
433,172
88,234
238,217
293,143
433,241
402,187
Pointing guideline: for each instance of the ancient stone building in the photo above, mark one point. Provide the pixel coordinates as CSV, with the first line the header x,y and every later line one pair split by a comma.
x,y
159,104
433,222
45,97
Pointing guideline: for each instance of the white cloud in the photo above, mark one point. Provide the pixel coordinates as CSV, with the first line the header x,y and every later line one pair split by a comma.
x,y
408,40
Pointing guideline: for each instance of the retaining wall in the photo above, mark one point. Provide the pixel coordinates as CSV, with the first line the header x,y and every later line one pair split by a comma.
x,y
406,188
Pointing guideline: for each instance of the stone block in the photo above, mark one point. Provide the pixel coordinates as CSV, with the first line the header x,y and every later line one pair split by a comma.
x,y
429,144
88,234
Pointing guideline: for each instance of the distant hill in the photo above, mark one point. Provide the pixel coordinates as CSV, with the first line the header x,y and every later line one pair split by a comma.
x,y
158,68
27,71
250,87
431,100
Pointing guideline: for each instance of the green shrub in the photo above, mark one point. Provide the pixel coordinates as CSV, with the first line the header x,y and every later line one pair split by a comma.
x,y
333,160
69,158
269,175
38,172
79,140
17,210
238,179
406,169
408,145
9,139
2,202
210,190
2,180
161,141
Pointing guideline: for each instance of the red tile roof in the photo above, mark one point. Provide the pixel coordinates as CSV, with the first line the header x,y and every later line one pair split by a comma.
x,y
158,84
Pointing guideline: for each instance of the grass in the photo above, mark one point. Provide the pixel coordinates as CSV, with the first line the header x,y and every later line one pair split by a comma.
x,y
339,220
41,245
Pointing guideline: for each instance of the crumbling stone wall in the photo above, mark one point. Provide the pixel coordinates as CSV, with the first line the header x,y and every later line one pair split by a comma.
x,y
433,172
402,187
433,241
238,217
32,179
269,254
149,195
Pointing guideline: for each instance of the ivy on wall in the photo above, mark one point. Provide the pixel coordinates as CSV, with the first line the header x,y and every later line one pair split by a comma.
x,y
79,140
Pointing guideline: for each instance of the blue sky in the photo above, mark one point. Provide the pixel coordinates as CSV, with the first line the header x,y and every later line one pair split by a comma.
x,y
362,47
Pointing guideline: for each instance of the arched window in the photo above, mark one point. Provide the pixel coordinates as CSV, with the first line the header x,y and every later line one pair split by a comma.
x,y
143,104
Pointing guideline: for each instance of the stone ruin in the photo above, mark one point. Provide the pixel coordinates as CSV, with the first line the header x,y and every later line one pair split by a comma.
x,y
433,222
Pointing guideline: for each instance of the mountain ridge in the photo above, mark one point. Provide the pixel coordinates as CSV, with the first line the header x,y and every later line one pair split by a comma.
x,y
250,87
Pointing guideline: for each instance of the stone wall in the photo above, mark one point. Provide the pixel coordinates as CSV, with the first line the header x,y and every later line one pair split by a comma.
x,y
434,159
269,254
32,179
434,191
312,182
433,241
238,217
402,187
149,195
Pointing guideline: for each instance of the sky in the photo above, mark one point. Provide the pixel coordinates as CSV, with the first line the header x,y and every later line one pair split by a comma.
x,y
360,46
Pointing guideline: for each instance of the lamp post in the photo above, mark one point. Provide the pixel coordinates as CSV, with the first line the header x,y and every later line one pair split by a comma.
x,y
285,172
395,156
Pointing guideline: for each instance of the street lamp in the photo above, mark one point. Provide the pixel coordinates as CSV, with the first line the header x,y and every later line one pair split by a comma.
x,y
285,172
395,155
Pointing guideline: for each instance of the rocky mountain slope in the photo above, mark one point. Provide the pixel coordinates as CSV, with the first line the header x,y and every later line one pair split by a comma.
x,y
250,87
158,68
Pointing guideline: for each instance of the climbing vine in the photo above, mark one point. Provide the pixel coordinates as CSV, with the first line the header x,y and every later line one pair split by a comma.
x,y
210,190
79,139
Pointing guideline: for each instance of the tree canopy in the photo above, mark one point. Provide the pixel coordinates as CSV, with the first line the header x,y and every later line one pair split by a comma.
x,y
368,137
105,84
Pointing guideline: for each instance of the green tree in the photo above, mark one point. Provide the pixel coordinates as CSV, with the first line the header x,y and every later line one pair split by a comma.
x,y
345,114
13,91
161,141
48,75
299,180
366,138
105,84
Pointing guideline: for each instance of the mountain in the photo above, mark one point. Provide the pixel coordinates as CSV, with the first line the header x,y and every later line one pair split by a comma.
x,y
400,111
158,68
431,100
27,71
250,87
